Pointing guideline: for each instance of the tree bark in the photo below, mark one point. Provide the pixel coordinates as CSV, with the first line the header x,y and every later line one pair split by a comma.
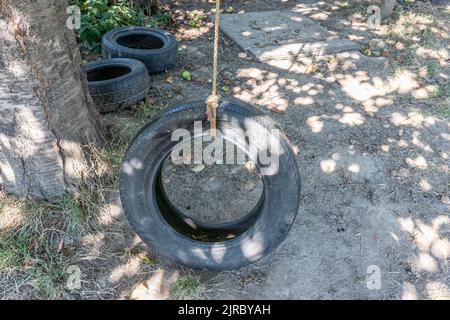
x,y
152,6
387,8
46,114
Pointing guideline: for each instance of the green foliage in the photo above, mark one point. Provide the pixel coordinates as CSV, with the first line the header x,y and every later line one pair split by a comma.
x,y
100,16
186,287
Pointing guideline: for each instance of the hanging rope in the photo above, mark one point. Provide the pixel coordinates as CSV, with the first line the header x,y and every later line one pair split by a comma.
x,y
212,103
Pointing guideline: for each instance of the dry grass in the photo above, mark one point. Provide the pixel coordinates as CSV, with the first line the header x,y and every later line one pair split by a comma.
x,y
187,287
39,241
419,41
32,254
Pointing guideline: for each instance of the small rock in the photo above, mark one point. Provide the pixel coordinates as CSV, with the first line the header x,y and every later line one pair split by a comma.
x,y
242,55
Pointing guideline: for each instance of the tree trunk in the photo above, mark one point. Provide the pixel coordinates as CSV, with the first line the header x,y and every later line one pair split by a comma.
x,y
46,114
387,8
152,6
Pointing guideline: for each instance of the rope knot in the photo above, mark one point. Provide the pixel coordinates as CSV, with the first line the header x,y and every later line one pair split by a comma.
x,y
212,104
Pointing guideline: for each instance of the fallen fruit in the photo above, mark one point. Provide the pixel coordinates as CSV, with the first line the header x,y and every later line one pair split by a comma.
x,y
230,9
225,89
186,75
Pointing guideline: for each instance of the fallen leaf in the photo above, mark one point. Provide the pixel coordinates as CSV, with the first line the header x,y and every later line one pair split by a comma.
x,y
275,108
198,168
250,166
312,68
60,245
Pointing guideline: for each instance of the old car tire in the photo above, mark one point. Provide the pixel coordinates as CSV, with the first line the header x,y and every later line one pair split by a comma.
x,y
117,83
165,230
156,48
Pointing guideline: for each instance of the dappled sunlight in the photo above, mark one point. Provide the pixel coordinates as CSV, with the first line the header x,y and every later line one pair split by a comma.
x,y
432,249
156,287
413,119
438,290
12,214
441,55
252,245
361,87
424,262
409,291
109,213
419,162
95,243
352,119
425,185
357,165
328,166
128,269
417,142
315,123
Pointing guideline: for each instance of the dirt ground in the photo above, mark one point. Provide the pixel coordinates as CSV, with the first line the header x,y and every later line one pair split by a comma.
x,y
373,136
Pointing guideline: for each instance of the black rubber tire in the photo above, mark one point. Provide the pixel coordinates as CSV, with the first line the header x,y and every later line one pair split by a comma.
x,y
117,83
159,59
159,225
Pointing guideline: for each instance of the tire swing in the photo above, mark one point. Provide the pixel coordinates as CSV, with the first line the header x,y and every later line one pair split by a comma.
x,y
180,238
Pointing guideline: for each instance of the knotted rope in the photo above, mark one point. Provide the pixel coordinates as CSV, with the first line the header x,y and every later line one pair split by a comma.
x,y
212,103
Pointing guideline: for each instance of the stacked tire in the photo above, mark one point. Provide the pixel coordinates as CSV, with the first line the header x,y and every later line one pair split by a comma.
x,y
157,49
131,54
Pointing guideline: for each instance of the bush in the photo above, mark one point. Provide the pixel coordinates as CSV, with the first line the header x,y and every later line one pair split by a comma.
x,y
101,16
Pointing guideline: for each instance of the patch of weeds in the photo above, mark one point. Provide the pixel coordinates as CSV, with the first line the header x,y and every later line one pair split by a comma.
x,y
122,130
408,57
160,19
13,250
431,66
145,111
196,19
441,95
186,287
443,113
444,91
49,279
143,255
114,159
439,91
443,110
75,217
107,162
64,214
148,260
31,253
